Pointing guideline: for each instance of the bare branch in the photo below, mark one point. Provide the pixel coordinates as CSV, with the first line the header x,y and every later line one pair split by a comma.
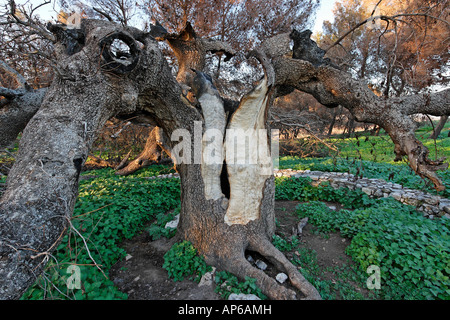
x,y
28,22
107,16
387,19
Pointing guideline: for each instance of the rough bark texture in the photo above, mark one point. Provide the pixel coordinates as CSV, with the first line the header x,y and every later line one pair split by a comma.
x,y
16,113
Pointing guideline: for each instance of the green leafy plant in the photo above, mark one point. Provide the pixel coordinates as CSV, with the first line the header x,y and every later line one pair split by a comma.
x,y
412,251
158,229
301,189
227,283
283,244
182,261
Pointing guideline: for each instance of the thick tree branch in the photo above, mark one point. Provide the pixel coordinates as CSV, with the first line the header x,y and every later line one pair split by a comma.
x,y
16,113
333,87
436,104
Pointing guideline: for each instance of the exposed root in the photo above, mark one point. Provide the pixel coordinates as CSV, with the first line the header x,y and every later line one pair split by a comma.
x,y
242,268
267,249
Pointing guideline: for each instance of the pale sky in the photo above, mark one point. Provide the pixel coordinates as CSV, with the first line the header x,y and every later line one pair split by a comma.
x,y
325,12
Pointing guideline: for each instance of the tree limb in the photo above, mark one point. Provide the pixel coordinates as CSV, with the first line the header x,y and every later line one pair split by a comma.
x,y
333,87
16,113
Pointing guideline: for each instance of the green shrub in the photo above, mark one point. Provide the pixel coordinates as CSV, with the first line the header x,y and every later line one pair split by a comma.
x,y
283,244
158,229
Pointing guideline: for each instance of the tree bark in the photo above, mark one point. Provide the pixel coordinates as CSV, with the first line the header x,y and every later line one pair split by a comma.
x,y
333,120
16,112
439,127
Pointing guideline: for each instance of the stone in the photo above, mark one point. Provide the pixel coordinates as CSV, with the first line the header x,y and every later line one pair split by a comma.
x,y
431,200
174,223
303,222
281,277
396,195
411,201
261,265
378,193
208,278
242,296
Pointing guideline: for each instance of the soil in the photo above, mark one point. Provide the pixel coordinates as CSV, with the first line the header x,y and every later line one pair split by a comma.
x,y
142,277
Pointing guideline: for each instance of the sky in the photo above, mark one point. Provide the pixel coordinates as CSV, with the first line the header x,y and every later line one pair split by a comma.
x,y
325,12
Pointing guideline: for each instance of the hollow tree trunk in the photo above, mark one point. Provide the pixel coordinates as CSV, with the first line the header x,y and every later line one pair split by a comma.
x,y
223,215
223,227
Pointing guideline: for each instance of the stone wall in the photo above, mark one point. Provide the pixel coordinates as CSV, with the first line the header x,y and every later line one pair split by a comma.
x,y
431,205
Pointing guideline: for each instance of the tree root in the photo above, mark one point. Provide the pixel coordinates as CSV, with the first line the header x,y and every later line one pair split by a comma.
x,y
241,268
267,249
